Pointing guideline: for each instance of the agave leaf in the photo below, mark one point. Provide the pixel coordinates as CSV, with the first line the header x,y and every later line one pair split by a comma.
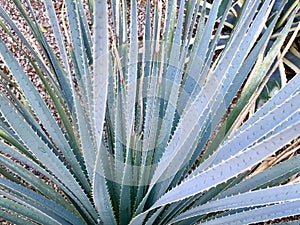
x,y
101,193
182,134
230,51
71,151
87,145
241,162
109,164
23,39
169,27
86,35
42,111
84,113
208,90
189,83
289,8
172,83
60,43
31,213
35,181
125,197
53,96
292,58
40,149
256,78
32,162
270,118
36,56
8,135
278,78
139,219
101,59
153,217
34,200
79,52
173,63
57,93
144,82
39,184
198,61
245,45
290,90
189,28
248,41
261,214
255,81
270,177
215,41
275,82
173,73
54,63
14,142
120,136
152,91
189,20
132,71
233,85
262,197
153,84
12,217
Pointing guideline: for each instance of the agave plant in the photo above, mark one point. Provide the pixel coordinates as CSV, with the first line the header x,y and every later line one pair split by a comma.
x,y
151,129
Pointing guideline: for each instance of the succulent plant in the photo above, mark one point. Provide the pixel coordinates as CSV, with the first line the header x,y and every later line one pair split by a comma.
x,y
125,123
